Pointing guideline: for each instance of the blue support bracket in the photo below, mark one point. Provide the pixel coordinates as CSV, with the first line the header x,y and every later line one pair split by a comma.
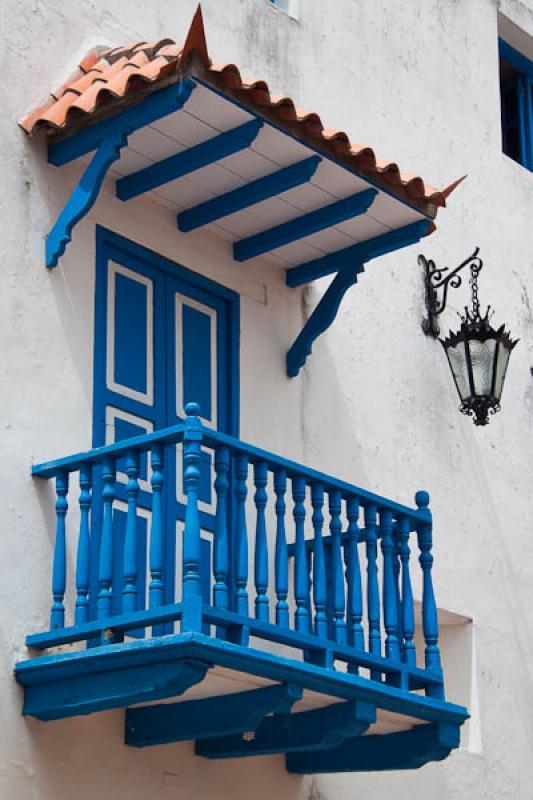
x,y
154,107
83,197
212,716
307,224
358,253
321,318
245,196
286,733
72,696
406,750
201,155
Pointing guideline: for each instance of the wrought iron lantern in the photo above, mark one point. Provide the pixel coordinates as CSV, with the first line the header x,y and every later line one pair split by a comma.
x,y
477,353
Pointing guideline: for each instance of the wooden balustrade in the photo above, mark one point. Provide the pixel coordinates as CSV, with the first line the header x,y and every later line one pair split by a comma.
x,y
258,535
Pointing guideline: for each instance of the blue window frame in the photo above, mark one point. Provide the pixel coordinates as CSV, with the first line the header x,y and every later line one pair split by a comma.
x,y
516,94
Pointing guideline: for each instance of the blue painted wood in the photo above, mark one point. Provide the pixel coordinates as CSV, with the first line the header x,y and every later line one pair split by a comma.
x,y
429,607
261,545
396,567
407,606
406,750
191,574
72,697
105,561
359,253
201,155
291,733
515,59
319,563
372,586
249,195
129,601
390,608
354,599
214,716
309,223
157,549
301,575
83,197
337,576
83,554
59,567
281,553
321,319
221,545
241,535
154,107
197,359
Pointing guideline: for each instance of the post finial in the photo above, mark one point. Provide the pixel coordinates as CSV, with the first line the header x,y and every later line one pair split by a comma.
x,y
192,410
422,499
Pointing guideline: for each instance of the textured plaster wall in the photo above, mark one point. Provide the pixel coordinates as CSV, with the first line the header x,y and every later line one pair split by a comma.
x,y
418,81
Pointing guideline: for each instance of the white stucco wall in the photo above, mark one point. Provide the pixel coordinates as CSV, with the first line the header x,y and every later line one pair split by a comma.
x,y
419,82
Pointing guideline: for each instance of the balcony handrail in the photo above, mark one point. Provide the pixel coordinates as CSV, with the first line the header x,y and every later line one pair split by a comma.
x,y
174,434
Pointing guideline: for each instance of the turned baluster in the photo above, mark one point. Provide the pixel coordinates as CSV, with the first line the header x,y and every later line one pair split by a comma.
x,y
59,567
337,577
221,551
407,607
301,570
429,608
356,636
84,546
261,551
241,536
319,564
156,588
372,587
129,593
192,584
105,561
281,557
390,608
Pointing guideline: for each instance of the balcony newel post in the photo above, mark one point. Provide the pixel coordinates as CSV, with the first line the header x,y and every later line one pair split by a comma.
x,y
192,587
356,637
156,532
59,568
105,560
429,607
319,563
407,606
129,595
390,607
83,555
372,587
282,555
261,547
337,580
301,574
221,551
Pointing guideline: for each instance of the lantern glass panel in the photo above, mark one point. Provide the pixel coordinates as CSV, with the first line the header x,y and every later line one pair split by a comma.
x,y
482,358
501,368
458,364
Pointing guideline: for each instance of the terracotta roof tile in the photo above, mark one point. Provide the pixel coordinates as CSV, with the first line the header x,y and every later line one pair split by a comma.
x,y
111,76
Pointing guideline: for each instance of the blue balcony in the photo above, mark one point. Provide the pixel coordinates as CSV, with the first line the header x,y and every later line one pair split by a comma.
x,y
282,621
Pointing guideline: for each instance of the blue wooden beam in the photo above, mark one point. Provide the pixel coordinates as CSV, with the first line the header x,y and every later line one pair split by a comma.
x,y
201,155
303,226
358,253
245,196
153,107
71,696
321,318
286,733
83,197
406,750
214,716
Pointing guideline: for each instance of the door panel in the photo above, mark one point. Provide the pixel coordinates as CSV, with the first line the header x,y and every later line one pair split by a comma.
x,y
163,337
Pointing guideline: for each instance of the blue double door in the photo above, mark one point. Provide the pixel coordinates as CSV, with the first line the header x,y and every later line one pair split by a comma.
x,y
164,337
